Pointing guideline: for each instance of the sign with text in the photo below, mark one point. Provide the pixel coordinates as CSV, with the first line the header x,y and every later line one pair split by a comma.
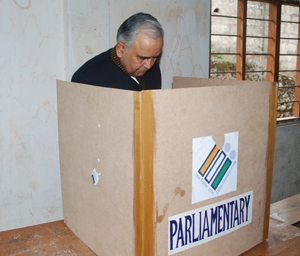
x,y
204,224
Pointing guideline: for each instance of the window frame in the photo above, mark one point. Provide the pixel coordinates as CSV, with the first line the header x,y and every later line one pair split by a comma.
x,y
273,53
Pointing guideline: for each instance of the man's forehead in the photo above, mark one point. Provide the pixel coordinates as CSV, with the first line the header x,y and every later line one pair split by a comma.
x,y
145,43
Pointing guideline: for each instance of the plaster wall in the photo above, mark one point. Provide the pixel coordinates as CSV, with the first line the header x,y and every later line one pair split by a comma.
x,y
31,59
286,169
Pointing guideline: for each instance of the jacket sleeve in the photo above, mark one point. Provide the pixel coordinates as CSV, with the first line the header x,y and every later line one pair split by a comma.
x,y
80,77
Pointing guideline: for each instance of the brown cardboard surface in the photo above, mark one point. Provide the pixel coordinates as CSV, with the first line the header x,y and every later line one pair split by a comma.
x,y
190,82
145,148
101,215
183,114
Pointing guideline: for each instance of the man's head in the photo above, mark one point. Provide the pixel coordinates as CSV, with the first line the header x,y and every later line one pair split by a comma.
x,y
139,43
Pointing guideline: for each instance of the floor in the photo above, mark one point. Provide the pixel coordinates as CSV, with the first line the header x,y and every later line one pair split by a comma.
x,y
56,239
44,240
284,230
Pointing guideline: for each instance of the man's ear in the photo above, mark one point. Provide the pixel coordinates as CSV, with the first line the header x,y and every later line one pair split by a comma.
x,y
120,49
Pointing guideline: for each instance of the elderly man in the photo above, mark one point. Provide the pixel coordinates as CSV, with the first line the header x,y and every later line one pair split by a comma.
x,y
131,64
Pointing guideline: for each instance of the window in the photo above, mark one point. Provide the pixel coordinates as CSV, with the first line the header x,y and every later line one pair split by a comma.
x,y
259,41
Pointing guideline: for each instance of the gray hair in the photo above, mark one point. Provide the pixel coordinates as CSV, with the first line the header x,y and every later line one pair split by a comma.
x,y
139,23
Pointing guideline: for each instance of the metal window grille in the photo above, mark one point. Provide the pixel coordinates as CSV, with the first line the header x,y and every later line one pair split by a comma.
x,y
272,53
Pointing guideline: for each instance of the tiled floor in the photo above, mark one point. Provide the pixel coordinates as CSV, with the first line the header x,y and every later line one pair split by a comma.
x,y
56,239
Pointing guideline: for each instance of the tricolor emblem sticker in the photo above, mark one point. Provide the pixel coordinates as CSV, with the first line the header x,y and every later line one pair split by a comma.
x,y
214,168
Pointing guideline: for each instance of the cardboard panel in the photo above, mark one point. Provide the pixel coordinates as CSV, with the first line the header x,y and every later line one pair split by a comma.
x,y
182,115
96,128
183,171
190,82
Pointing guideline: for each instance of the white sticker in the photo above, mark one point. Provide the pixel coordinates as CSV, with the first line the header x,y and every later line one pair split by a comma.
x,y
214,170
198,226
95,176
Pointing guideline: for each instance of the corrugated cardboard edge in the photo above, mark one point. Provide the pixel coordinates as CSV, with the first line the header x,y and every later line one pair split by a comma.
x,y
144,193
270,154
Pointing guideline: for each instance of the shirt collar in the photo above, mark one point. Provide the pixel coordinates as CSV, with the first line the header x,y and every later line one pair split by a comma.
x,y
116,60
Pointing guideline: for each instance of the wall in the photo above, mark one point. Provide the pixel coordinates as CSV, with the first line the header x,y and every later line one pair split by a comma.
x,y
31,59
87,25
286,175
42,41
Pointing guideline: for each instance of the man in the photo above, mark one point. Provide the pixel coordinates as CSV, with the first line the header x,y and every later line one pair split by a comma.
x,y
131,64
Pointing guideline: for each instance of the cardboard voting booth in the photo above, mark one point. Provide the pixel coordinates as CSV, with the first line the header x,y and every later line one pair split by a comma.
x,y
185,171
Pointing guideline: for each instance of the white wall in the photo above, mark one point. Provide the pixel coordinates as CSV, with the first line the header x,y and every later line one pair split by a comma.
x,y
31,59
42,41
87,24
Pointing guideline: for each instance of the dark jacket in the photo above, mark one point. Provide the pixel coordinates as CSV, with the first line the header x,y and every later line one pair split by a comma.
x,y
106,70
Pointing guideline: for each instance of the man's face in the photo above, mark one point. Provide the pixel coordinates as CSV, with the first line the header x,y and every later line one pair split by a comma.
x,y
141,56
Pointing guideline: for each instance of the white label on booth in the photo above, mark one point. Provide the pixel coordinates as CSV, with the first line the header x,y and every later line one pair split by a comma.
x,y
214,170
207,223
